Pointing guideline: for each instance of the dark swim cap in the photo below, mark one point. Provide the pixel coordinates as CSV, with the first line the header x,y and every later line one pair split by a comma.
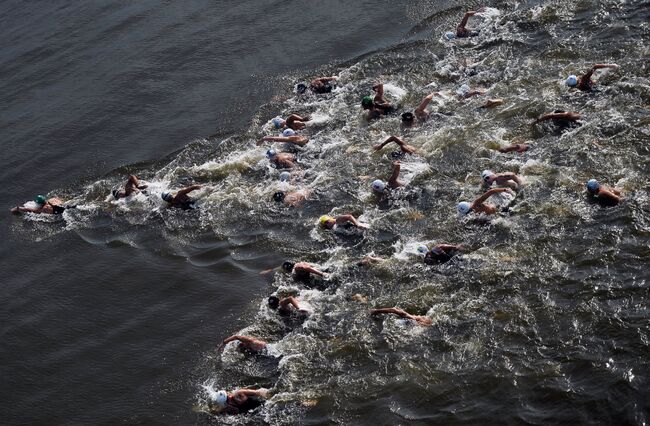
x,y
288,266
279,196
40,199
274,302
116,193
367,102
408,117
301,88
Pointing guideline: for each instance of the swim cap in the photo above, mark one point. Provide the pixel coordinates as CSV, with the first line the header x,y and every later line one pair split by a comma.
x,y
285,176
40,199
463,90
378,185
116,193
271,153
464,207
422,249
323,220
571,81
449,35
288,266
274,302
408,116
167,197
221,398
486,175
367,102
288,132
279,196
278,122
593,185
301,88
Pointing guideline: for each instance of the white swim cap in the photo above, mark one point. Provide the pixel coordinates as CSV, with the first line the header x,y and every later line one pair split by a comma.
x,y
449,35
378,185
422,249
288,132
464,207
278,122
221,398
285,176
572,81
463,90
486,174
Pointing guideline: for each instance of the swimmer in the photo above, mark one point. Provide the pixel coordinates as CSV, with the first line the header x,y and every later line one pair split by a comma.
x,y
288,136
285,305
461,30
369,260
329,222
237,402
559,117
52,205
377,105
318,85
294,121
292,198
181,199
507,179
281,160
248,343
441,253
491,103
585,83
132,186
517,147
478,205
421,320
466,92
603,195
378,186
407,149
300,270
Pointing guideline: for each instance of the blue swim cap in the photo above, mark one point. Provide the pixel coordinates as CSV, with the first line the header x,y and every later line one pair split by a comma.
x,y
277,122
464,207
271,153
285,176
449,35
288,132
593,185
572,81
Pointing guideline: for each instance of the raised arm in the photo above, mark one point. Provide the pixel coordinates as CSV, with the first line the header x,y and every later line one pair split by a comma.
x,y
425,102
510,176
393,179
488,194
449,247
601,66
463,22
396,311
387,141
187,190
289,301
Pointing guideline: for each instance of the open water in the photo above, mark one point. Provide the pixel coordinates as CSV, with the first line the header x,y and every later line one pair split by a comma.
x,y
112,312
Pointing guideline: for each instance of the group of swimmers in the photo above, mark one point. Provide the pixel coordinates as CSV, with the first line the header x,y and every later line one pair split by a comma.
x,y
375,107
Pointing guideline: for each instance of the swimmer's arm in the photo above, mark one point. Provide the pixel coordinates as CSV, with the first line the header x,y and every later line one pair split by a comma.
x,y
387,141
268,271
474,93
601,66
488,194
511,176
252,392
187,190
309,269
393,178
611,193
425,102
325,79
516,147
284,303
341,219
245,340
29,210
396,311
295,117
463,22
446,247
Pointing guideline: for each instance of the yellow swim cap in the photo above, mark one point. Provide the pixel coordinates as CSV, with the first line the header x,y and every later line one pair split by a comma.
x,y
324,219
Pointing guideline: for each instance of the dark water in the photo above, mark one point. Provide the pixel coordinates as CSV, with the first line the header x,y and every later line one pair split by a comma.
x,y
112,314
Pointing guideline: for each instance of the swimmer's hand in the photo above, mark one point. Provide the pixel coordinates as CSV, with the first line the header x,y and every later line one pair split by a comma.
x,y
267,271
15,210
363,226
260,142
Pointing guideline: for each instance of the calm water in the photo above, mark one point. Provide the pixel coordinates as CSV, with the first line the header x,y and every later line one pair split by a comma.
x,y
112,314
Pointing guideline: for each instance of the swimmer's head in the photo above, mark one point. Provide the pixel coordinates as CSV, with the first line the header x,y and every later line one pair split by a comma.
x,y
271,153
116,193
378,186
572,81
278,123
40,199
326,221
449,35
221,398
463,90
422,249
279,196
464,207
408,117
593,185
487,175
301,88
288,266
285,176
166,196
367,102
288,132
274,302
